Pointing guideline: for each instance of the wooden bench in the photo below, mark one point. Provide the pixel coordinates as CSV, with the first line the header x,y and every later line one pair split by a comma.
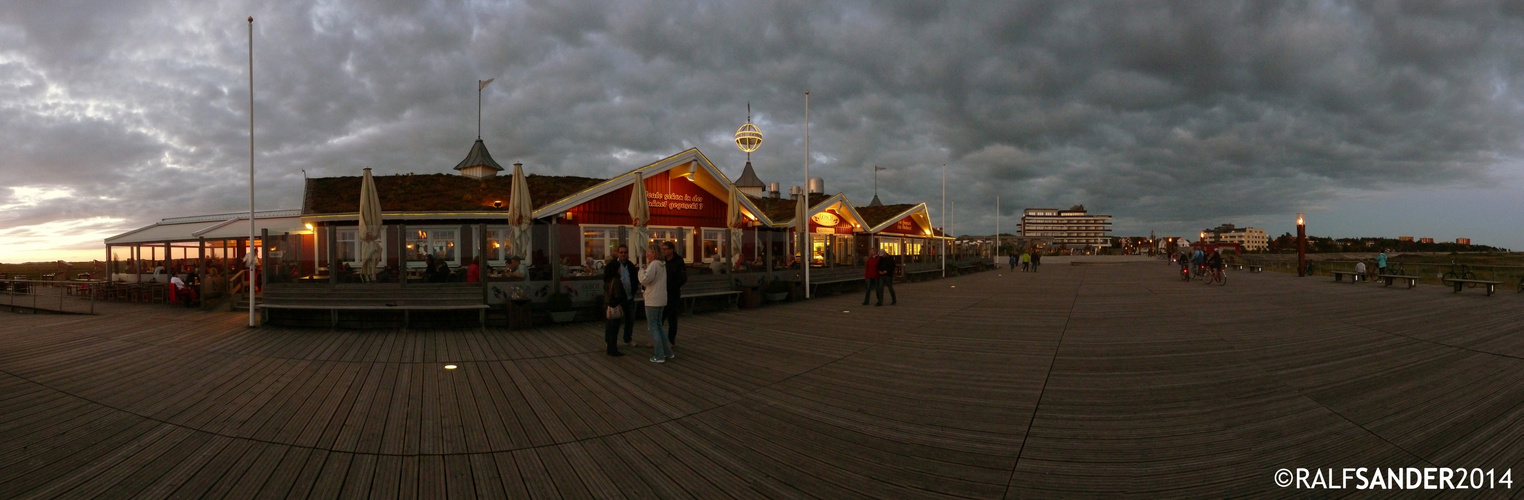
x,y
835,277
1492,286
1354,276
709,286
1389,278
1254,268
376,297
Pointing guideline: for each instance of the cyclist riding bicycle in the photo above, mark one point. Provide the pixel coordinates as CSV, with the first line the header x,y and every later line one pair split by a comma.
x,y
1197,259
1215,261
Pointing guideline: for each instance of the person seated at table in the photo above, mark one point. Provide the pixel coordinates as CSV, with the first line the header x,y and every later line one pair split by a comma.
x,y
515,268
185,294
473,271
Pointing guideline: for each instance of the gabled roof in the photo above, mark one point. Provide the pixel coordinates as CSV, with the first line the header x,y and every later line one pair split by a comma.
x,y
716,183
883,215
478,157
880,217
434,192
780,212
749,178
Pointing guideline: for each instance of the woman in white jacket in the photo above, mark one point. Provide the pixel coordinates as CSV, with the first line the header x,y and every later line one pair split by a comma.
x,y
653,276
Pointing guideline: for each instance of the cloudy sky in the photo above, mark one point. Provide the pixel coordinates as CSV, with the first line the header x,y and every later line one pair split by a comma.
x,y
1377,118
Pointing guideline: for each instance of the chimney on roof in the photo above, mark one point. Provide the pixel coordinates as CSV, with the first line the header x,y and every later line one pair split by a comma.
x,y
772,190
794,192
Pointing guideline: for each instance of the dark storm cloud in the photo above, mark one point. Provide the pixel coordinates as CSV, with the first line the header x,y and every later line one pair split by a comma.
x,y
1162,113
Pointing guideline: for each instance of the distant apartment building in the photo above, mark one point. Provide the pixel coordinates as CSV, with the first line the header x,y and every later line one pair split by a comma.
x,y
1252,239
1426,240
1463,241
1074,228
1406,239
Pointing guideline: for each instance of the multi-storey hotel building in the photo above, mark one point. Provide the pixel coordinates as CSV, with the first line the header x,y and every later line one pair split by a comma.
x,y
1252,239
1072,228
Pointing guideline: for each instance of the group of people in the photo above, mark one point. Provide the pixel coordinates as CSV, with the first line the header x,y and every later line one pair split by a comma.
x,y
1029,261
1198,258
660,282
878,274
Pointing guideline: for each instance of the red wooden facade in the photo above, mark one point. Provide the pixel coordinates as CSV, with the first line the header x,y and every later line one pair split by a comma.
x,y
905,226
672,202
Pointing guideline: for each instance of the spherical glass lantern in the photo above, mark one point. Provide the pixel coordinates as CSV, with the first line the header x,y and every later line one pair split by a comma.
x,y
748,138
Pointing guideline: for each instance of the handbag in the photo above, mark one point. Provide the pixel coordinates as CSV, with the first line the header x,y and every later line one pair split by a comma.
x,y
614,312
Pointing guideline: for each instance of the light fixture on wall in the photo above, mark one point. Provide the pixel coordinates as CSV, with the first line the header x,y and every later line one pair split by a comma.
x,y
497,204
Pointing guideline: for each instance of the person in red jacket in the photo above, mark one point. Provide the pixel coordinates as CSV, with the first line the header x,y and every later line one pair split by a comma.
x,y
871,282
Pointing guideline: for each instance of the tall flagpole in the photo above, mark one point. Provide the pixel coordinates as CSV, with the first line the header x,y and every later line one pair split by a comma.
x,y
806,250
995,254
250,255
944,220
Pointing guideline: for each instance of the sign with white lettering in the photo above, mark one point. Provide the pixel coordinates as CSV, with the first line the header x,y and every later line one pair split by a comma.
x,y
674,201
826,219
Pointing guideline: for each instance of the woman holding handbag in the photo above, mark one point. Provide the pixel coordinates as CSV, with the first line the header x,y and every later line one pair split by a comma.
x,y
614,300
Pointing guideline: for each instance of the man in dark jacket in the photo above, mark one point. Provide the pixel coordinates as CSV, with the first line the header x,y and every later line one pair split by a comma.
x,y
886,265
623,274
677,275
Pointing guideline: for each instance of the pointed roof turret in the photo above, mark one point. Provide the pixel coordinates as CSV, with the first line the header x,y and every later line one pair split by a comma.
x,y
478,162
875,202
749,178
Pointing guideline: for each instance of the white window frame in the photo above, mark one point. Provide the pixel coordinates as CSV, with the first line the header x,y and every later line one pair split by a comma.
x,y
499,257
719,241
432,236
353,239
610,237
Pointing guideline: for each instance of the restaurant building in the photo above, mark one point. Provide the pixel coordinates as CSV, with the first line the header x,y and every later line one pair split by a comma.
x,y
453,220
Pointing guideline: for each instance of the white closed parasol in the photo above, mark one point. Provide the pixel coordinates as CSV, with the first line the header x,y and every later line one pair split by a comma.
x,y
640,214
520,213
370,227
734,219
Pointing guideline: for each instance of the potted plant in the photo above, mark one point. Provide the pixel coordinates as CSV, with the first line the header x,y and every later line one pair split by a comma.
x,y
561,309
775,291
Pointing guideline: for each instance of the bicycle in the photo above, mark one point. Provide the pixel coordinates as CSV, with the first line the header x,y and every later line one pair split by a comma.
x,y
1459,271
1219,276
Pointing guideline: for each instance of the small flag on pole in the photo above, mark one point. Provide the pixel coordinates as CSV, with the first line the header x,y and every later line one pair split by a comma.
x,y
481,84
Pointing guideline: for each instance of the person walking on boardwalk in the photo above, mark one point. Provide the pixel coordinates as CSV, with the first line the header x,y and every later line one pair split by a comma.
x,y
1026,261
1036,259
677,276
620,281
654,277
1381,263
1013,261
870,280
886,277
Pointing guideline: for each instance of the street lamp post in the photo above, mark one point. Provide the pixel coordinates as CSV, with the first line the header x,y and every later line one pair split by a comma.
x,y
1301,244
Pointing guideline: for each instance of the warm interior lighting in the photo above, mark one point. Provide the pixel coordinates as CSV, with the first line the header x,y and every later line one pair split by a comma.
x,y
497,204
451,367
309,226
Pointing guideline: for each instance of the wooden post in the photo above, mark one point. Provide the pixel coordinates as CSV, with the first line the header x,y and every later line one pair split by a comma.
x,y
333,267
201,269
481,269
264,260
402,254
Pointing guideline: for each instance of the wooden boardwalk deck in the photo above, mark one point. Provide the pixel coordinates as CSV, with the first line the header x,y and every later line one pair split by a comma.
x,y
1078,381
